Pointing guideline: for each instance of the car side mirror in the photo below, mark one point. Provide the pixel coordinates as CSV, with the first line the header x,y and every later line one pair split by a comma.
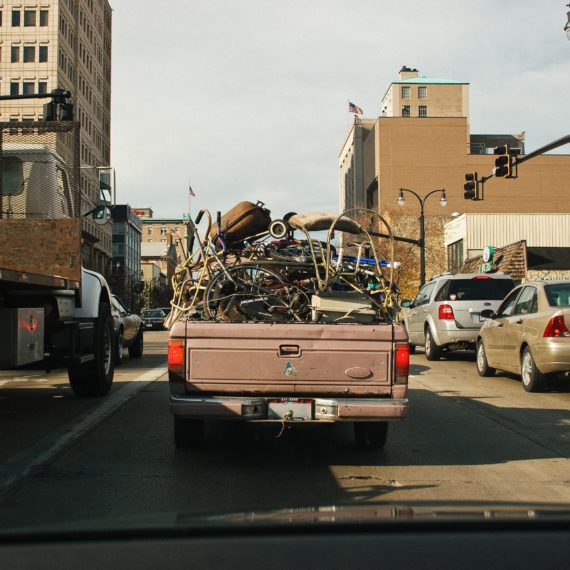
x,y
488,314
406,304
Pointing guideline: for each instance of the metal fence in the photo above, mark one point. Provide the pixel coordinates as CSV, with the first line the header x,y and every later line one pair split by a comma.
x,y
40,167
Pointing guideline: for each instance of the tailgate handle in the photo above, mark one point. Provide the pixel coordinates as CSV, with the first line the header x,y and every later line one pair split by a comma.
x,y
289,351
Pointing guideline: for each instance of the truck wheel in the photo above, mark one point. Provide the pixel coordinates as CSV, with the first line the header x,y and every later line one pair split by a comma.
x,y
532,379
433,351
372,435
136,349
412,348
119,349
95,378
188,433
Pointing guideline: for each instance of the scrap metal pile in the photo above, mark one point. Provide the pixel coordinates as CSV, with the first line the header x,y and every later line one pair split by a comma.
x,y
247,267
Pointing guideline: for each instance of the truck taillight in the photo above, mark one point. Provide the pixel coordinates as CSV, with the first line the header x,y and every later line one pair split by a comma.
x,y
556,327
402,363
446,313
176,356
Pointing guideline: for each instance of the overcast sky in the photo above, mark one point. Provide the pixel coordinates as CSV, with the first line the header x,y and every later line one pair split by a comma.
x,y
247,100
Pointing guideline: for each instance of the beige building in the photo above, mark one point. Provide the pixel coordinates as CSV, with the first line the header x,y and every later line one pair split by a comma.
x,y
416,96
435,150
164,231
64,44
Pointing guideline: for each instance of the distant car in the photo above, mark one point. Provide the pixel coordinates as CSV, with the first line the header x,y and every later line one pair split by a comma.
x,y
528,334
153,319
165,310
446,313
128,331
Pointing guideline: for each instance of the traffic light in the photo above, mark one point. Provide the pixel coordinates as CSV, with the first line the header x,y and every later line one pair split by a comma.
x,y
503,163
471,186
50,111
66,113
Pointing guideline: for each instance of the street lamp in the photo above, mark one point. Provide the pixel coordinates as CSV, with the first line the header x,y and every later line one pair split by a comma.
x,y
421,242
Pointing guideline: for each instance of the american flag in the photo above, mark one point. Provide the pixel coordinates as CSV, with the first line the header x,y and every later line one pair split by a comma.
x,y
352,108
190,191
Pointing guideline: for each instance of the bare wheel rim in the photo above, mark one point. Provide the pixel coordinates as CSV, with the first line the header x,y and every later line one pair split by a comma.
x,y
428,342
526,368
120,344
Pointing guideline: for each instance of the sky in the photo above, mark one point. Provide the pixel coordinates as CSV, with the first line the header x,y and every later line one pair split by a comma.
x,y
248,100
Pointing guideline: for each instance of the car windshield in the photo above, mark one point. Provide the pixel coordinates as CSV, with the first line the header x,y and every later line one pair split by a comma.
x,y
261,183
151,314
478,289
558,295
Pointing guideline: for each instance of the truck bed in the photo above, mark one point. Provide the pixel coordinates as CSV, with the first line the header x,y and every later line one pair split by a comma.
x,y
301,372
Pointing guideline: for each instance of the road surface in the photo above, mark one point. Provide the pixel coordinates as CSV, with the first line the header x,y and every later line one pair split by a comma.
x,y
467,439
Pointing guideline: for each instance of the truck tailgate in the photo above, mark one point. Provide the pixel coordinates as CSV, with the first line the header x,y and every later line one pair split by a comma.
x,y
260,358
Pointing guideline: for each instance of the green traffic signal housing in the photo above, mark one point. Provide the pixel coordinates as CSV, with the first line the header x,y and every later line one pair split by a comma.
x,y
471,186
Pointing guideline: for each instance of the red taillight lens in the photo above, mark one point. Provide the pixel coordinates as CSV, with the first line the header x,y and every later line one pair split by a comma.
x,y
556,327
176,355
402,363
445,313
481,277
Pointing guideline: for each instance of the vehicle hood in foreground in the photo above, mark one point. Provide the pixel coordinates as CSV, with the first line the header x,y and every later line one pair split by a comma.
x,y
367,516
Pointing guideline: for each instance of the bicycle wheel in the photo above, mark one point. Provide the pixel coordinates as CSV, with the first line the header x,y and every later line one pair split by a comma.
x,y
250,292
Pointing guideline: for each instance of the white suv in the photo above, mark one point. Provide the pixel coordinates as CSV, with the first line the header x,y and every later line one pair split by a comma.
x,y
446,313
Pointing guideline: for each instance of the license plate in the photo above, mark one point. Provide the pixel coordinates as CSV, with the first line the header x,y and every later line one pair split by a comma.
x,y
290,409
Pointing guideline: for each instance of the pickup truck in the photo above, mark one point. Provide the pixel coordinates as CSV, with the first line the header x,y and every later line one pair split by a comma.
x,y
288,373
287,330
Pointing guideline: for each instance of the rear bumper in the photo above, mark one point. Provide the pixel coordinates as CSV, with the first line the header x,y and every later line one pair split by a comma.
x,y
454,335
256,409
552,355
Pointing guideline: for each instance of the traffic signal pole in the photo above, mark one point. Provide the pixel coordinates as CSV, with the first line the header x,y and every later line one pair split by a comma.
x,y
518,159
59,107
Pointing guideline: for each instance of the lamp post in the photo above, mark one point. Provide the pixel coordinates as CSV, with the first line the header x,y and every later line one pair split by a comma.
x,y
421,241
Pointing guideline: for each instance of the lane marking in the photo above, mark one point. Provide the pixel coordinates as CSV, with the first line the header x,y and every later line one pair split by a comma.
x,y
22,464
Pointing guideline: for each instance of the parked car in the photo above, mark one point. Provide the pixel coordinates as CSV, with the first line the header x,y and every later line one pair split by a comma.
x,y
128,331
153,319
528,334
446,312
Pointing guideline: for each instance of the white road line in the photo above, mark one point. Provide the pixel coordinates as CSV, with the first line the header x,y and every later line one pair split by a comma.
x,y
23,463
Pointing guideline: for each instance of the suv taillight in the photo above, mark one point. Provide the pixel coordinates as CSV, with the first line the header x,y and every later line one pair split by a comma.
x,y
446,313
402,363
556,327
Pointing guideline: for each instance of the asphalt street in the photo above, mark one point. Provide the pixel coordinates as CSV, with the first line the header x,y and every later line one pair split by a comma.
x,y
467,439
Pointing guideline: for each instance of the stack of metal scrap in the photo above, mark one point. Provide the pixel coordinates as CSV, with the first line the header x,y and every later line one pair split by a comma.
x,y
312,267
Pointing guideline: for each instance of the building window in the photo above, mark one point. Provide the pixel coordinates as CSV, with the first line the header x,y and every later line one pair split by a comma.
x,y
43,54
29,54
15,54
406,111
422,111
162,231
42,87
15,18
406,92
28,88
44,16
14,88
422,92
29,18
455,256
149,231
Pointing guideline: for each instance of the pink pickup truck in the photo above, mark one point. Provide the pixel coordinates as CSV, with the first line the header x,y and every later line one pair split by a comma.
x,y
288,373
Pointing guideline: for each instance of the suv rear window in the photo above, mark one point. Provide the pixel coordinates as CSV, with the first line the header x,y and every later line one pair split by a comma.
x,y
475,290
